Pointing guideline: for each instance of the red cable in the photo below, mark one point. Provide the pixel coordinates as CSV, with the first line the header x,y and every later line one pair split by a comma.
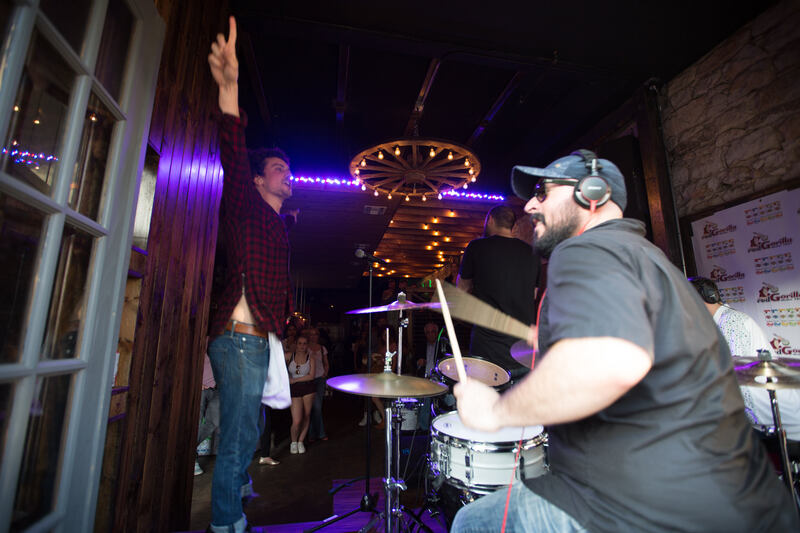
x,y
510,483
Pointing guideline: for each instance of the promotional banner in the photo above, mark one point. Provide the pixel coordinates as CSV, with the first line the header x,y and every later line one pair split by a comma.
x,y
752,252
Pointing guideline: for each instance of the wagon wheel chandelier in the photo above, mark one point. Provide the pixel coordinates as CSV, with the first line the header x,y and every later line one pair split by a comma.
x,y
416,168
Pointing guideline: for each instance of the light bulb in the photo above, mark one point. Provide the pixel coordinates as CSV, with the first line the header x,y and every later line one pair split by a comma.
x,y
466,185
16,109
471,171
396,150
380,154
357,172
440,196
376,193
389,196
450,156
424,198
473,179
364,187
466,162
408,199
363,162
435,220
432,153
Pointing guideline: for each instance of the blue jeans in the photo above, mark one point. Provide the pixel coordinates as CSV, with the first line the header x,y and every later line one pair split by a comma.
x,y
527,512
316,429
239,363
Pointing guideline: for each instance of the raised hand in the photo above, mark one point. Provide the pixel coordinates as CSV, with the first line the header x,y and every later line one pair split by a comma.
x,y
225,69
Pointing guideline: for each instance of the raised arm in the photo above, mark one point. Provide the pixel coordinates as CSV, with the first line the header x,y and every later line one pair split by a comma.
x,y
577,378
225,70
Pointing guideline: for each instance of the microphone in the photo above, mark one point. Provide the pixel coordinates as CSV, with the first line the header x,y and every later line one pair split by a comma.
x,y
361,254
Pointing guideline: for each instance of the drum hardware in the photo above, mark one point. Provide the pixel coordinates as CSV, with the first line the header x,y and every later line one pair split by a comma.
x,y
772,374
523,353
401,304
389,385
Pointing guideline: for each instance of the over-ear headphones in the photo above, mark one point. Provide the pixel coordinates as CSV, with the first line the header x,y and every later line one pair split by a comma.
x,y
592,190
707,289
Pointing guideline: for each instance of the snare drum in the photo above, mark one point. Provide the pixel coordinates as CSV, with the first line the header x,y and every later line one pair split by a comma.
x,y
481,462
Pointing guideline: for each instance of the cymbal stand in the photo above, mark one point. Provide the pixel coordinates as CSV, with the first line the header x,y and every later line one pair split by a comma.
x,y
787,465
788,475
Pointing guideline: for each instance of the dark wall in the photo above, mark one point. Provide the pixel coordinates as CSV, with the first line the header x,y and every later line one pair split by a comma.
x,y
155,487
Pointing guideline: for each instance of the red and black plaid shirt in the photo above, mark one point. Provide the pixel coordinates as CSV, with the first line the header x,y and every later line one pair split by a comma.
x,y
256,241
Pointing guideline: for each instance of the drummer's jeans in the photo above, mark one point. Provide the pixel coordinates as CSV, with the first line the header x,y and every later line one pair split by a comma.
x,y
239,363
527,512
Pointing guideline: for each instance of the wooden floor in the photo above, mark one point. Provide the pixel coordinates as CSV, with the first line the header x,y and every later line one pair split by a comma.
x,y
295,495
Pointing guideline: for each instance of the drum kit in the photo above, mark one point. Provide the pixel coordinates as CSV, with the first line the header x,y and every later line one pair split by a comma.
x,y
463,464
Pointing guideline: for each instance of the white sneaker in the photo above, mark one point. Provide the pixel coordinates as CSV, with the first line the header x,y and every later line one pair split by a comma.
x,y
301,448
363,420
293,447
376,417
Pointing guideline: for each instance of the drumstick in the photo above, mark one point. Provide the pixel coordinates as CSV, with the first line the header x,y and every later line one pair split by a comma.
x,y
462,373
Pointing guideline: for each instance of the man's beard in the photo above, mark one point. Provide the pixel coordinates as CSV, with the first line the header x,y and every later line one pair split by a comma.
x,y
553,235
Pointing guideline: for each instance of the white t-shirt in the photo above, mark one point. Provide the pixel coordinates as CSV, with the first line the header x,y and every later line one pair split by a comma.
x,y
744,337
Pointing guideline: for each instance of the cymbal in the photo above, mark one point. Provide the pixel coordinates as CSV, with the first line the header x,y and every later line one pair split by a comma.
x,y
486,372
523,353
397,305
775,374
387,385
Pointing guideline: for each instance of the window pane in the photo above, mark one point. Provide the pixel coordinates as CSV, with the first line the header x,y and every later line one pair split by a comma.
x,y
147,194
6,389
69,18
38,118
43,444
69,295
114,47
90,166
20,233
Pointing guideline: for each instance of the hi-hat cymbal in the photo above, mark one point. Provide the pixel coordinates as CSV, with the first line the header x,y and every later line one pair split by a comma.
x,y
387,385
775,374
523,353
396,306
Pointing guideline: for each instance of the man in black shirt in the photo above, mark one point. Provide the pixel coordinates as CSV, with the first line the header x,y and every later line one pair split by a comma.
x,y
635,384
502,271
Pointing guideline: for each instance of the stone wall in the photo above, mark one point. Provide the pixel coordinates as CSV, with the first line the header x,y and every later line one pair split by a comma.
x,y
732,119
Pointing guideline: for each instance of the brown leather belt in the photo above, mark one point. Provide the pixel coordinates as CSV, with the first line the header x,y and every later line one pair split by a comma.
x,y
247,329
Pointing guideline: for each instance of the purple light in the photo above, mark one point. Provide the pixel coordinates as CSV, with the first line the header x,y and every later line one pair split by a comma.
x,y
473,196
358,185
26,157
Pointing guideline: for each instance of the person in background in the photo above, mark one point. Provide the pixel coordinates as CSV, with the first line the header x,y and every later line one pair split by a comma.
x,y
209,408
289,338
320,355
265,457
301,369
502,271
745,338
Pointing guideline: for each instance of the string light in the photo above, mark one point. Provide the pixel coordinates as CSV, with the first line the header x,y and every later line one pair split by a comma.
x,y
473,179
450,156
432,153
389,196
435,220
424,226
408,199
363,162
357,172
439,196
435,233
376,193
429,247
471,171
466,162
447,239
424,198
16,109
466,185
396,150
380,154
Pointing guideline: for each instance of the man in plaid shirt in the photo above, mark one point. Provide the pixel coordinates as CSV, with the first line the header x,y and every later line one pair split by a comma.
x,y
255,299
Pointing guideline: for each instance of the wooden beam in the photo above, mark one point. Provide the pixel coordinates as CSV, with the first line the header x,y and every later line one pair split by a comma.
x,y
424,91
510,87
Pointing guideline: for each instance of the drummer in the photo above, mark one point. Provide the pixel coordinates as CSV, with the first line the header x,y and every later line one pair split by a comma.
x,y
501,270
646,425
745,337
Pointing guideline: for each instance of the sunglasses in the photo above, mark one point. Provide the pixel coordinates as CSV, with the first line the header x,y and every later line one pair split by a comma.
x,y
540,191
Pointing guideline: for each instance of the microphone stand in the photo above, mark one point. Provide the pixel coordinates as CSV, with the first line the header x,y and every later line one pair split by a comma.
x,y
368,501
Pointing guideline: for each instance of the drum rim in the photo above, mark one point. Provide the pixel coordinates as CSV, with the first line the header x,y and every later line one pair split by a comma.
x,y
499,446
476,358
